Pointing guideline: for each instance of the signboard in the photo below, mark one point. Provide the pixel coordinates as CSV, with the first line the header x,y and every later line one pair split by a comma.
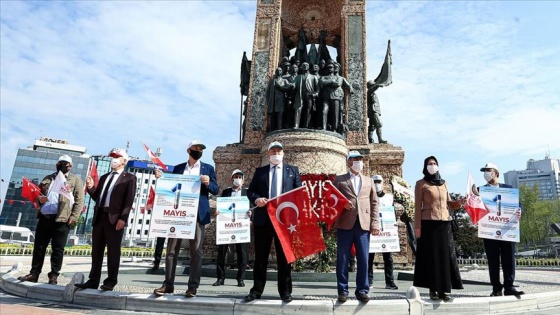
x,y
233,224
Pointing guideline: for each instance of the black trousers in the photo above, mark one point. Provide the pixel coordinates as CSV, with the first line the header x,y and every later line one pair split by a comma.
x,y
504,251
263,240
387,268
49,231
241,251
159,249
104,235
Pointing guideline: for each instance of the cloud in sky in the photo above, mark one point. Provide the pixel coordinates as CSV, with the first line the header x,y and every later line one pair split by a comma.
x,y
473,81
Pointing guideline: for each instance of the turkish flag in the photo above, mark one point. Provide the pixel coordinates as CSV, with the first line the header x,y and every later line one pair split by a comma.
x,y
151,199
154,157
29,190
296,224
93,174
335,204
474,206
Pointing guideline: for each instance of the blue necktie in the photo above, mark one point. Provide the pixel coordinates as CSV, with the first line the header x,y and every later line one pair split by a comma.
x,y
273,186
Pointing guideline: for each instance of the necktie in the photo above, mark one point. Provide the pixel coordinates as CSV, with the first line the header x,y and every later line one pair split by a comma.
x,y
106,191
273,186
356,184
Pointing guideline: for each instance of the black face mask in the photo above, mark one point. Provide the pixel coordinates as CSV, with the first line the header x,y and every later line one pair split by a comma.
x,y
195,154
63,168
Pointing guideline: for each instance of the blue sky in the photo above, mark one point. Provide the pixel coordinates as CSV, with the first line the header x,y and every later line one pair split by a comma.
x,y
473,82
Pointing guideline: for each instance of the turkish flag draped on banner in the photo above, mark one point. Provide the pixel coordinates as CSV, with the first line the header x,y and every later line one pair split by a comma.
x,y
151,199
29,190
295,224
335,204
155,158
474,206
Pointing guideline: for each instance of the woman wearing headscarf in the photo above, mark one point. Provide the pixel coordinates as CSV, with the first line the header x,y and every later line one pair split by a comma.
x,y
436,263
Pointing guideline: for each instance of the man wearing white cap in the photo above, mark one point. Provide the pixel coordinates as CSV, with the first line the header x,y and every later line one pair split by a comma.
x,y
113,198
56,215
354,226
497,250
236,190
209,186
268,182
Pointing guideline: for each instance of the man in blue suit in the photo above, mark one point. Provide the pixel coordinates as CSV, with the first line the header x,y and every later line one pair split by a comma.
x,y
209,186
269,182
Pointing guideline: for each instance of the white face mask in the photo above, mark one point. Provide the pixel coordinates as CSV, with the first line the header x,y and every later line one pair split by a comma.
x,y
358,166
115,162
432,169
237,182
488,176
378,187
276,159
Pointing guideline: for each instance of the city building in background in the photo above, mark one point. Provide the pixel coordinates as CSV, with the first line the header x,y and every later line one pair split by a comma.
x,y
34,163
545,174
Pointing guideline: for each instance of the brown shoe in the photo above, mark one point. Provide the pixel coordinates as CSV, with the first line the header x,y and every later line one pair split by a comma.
x,y
29,278
191,292
53,279
163,290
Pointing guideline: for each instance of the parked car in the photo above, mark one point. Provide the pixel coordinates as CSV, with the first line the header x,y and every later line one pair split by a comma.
x,y
16,235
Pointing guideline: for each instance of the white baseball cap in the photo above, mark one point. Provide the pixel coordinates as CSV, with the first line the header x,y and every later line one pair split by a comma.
x,y
489,166
275,144
353,154
65,158
237,171
377,177
117,152
196,142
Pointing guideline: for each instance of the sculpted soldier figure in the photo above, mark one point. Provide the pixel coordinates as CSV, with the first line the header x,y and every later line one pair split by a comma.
x,y
305,93
337,98
277,89
374,111
289,100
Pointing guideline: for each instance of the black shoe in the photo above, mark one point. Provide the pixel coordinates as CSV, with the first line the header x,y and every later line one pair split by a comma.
x,y
252,296
191,292
218,282
391,286
53,279
444,296
29,278
105,287
362,297
287,298
513,291
163,290
496,293
86,285
155,267
433,295
240,283
342,298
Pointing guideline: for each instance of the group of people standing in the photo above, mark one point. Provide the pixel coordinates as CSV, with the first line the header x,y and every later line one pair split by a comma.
x,y
436,265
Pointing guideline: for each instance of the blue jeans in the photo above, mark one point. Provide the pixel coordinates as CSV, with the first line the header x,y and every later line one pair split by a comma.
x,y
344,241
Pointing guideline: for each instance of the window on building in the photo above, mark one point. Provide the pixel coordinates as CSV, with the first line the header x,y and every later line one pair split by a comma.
x,y
145,232
137,232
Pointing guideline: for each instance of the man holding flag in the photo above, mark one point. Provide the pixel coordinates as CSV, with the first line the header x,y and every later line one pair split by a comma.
x,y
60,201
268,182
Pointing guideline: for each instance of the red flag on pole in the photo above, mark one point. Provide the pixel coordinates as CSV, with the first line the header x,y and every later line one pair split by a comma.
x,y
474,206
335,204
151,199
154,157
29,190
295,224
93,174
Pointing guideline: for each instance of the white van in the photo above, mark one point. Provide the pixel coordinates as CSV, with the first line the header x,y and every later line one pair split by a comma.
x,y
16,235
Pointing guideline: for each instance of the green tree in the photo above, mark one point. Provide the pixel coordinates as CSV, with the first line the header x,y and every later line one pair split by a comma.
x,y
537,215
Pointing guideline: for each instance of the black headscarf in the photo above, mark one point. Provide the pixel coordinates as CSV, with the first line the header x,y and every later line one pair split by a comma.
x,y
434,179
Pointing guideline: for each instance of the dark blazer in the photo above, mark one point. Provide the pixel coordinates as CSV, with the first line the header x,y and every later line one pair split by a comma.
x,y
122,197
203,203
227,192
259,188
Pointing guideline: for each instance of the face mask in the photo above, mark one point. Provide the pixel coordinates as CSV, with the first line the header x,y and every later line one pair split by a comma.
x,y
237,182
63,168
115,162
432,169
488,176
378,187
276,159
358,166
195,154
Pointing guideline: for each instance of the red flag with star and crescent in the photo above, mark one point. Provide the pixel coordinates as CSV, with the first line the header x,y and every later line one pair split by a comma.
x,y
296,224
474,206
335,204
155,158
29,190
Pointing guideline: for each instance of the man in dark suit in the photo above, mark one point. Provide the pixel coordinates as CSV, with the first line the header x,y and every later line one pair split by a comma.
x,y
236,190
269,182
496,249
113,197
209,186
354,226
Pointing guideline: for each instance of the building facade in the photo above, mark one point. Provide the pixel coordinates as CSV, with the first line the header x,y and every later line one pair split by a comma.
x,y
34,163
545,174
